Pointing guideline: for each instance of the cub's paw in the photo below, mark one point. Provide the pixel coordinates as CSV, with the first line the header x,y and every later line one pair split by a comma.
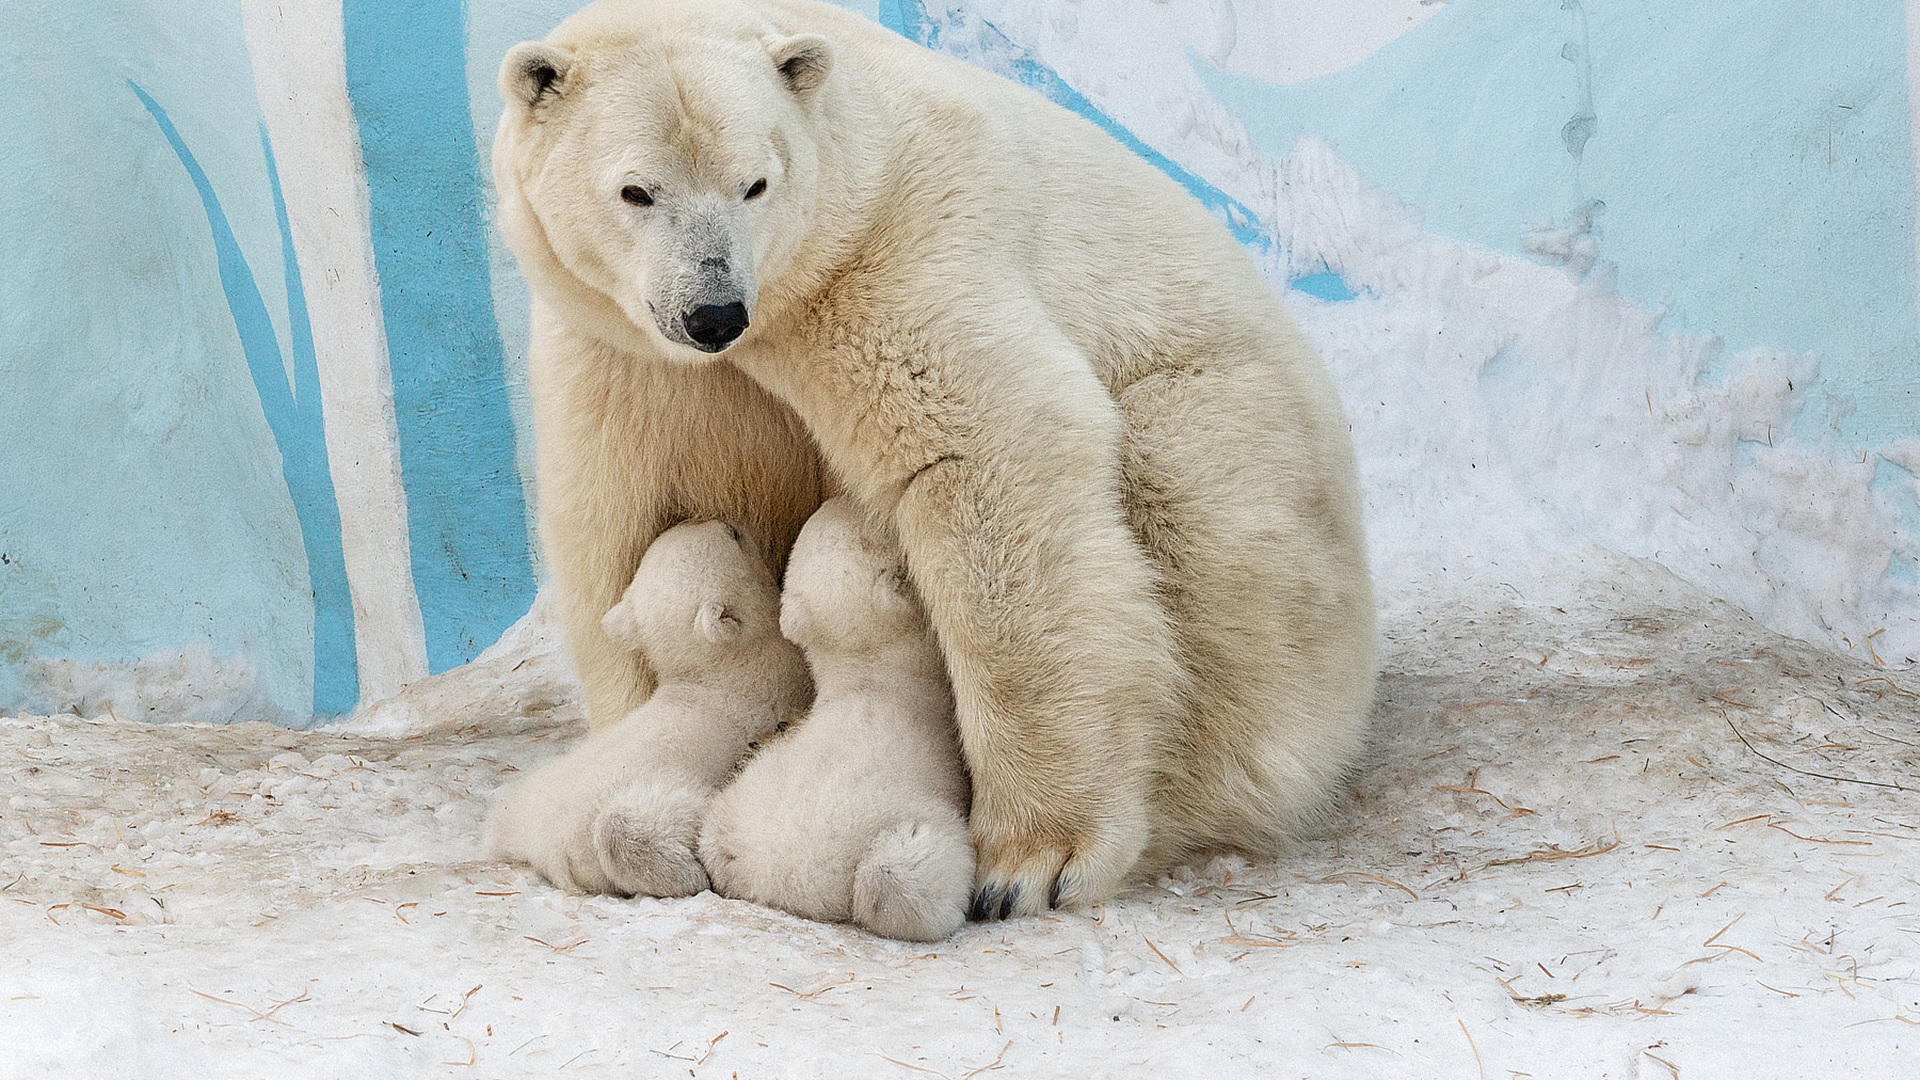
x,y
545,820
1025,871
646,837
914,881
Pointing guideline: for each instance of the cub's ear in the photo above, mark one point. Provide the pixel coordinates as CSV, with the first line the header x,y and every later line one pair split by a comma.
x,y
804,60
620,626
534,73
715,624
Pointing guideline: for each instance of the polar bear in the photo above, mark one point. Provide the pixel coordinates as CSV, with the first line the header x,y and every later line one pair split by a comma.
x,y
775,250
858,813
621,813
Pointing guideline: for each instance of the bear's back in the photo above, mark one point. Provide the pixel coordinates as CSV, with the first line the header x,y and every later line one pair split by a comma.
x,y
1133,268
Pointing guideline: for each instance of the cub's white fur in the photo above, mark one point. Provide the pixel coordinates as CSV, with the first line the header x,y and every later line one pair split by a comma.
x,y
621,812
1120,476
859,813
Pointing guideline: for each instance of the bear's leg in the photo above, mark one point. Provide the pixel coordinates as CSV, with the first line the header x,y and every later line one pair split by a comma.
x,y
986,435
1061,659
1264,576
602,501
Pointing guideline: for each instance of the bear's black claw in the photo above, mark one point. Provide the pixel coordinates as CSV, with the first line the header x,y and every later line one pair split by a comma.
x,y
985,902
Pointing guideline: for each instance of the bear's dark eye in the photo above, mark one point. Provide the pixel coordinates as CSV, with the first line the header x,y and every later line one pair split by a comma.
x,y
636,195
758,189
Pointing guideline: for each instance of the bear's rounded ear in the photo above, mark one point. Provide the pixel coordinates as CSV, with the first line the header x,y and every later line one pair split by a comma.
x,y
715,623
535,73
621,627
803,59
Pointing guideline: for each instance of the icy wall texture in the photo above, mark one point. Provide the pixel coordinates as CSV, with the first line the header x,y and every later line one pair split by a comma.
x,y
1594,272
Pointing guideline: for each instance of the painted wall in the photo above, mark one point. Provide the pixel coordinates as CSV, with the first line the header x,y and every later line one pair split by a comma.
x,y
262,357
262,429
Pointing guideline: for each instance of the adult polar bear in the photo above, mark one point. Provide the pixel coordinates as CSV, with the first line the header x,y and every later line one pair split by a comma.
x,y
775,249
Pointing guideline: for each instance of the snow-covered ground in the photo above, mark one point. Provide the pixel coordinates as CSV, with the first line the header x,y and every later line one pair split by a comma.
x,y
1590,841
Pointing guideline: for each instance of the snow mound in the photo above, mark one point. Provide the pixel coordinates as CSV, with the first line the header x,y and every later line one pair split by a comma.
x,y
1506,411
525,675
189,684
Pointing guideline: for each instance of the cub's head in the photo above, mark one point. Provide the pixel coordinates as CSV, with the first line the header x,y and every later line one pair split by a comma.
x,y
847,591
662,154
701,597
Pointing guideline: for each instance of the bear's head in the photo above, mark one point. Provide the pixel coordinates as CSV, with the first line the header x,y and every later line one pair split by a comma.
x,y
701,598
847,592
663,155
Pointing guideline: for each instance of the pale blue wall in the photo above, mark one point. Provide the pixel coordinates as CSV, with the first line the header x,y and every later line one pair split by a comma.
x,y
1755,161
141,499
157,394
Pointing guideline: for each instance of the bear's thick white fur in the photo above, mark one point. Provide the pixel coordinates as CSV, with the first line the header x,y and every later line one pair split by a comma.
x,y
1120,477
621,812
857,814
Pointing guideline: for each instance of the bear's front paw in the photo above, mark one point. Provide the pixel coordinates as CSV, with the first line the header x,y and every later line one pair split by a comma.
x,y
914,880
646,838
1024,870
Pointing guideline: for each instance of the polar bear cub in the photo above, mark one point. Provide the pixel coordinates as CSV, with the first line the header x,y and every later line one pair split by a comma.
x,y
858,814
621,812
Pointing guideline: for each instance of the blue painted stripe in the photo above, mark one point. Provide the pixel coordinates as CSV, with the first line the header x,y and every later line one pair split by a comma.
x,y
407,78
336,669
297,429
908,18
1326,285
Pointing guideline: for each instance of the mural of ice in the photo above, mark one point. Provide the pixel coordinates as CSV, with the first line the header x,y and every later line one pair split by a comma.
x,y
472,570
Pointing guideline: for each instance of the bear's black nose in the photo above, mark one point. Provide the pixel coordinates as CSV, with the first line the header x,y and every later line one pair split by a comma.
x,y
714,326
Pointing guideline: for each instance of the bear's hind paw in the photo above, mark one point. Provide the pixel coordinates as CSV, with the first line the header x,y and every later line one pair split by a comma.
x,y
912,884
646,837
